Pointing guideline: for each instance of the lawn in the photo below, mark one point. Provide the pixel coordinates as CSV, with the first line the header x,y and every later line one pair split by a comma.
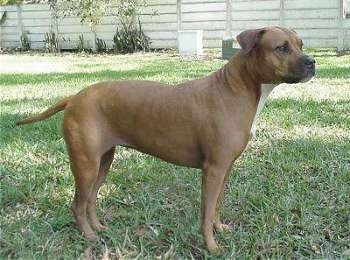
x,y
288,195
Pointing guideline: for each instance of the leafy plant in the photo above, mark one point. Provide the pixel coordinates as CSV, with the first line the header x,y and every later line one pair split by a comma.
x,y
100,45
51,42
3,17
25,43
81,43
10,2
130,38
91,12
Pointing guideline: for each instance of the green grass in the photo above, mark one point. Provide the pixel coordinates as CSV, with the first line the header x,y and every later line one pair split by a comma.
x,y
288,195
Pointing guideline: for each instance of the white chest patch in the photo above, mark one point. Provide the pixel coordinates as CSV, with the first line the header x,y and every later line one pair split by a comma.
x,y
266,89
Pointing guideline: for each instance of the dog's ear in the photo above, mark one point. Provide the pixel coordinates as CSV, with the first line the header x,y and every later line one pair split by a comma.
x,y
249,39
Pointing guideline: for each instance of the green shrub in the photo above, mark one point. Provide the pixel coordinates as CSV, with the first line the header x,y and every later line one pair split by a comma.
x,y
51,42
81,44
100,45
3,17
130,38
25,43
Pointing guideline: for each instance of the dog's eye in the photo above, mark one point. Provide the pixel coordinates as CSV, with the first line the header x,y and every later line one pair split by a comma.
x,y
284,48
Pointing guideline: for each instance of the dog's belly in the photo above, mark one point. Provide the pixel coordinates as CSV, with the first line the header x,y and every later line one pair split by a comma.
x,y
167,146
179,156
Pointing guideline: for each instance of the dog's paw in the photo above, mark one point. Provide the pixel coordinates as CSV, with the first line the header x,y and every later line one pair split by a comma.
x,y
99,227
91,237
220,227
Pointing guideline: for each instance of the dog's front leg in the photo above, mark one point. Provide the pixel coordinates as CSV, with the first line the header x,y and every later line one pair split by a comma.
x,y
218,225
212,183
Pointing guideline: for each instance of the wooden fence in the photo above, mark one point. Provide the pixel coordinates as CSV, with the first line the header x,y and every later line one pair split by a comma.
x,y
321,23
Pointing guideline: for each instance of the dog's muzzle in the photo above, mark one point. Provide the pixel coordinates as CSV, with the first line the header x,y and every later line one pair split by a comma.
x,y
304,71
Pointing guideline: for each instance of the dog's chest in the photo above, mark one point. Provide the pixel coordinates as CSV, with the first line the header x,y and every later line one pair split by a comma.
x,y
266,89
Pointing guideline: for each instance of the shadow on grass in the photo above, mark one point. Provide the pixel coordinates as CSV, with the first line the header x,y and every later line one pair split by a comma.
x,y
148,70
18,79
36,132
308,173
182,74
280,178
290,186
183,71
31,101
333,72
309,112
266,177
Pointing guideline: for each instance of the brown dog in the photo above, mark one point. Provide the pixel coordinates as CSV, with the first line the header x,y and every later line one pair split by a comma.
x,y
203,123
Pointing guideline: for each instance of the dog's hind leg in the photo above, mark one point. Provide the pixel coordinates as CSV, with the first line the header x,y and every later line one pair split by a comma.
x,y
85,152
105,164
85,174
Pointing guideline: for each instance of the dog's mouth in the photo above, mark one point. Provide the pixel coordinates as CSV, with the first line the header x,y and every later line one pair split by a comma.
x,y
291,79
304,76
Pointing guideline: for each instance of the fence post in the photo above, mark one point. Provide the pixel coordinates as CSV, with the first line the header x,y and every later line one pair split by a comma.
x,y
93,38
282,13
54,24
178,14
19,23
2,13
228,27
341,31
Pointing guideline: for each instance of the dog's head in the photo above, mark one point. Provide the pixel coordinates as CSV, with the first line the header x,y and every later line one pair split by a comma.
x,y
279,54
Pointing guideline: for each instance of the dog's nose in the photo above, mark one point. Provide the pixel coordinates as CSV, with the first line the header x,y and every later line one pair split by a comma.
x,y
308,61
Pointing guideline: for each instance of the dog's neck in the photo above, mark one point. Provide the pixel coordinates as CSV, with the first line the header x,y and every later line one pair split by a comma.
x,y
241,65
240,72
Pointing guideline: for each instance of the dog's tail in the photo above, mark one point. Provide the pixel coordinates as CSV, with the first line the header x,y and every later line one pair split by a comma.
x,y
60,105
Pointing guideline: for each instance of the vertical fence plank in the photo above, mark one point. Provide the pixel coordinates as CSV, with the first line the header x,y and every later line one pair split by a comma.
x,y
341,29
282,13
228,26
54,25
2,12
93,38
178,14
19,24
